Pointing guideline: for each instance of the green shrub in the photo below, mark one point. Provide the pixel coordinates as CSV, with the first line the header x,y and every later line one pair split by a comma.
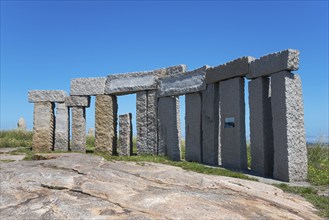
x,y
15,138
318,163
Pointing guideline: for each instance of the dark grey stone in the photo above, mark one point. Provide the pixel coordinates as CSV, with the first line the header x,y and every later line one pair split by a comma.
x,y
275,62
235,68
261,132
210,124
232,130
193,127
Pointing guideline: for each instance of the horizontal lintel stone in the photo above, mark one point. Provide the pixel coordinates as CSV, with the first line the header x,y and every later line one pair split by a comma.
x,y
47,95
119,84
232,69
88,86
77,101
189,82
275,62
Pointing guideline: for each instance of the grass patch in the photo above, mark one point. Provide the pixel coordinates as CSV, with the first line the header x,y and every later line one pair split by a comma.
x,y
15,138
6,161
90,143
191,166
318,163
310,194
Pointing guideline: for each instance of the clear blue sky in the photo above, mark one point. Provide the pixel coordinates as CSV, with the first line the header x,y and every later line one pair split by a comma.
x,y
44,44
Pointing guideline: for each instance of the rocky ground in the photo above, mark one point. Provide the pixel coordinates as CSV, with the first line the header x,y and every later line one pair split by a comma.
x,y
79,186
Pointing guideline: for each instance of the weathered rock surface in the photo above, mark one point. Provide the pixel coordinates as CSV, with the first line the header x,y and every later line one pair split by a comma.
x,y
75,101
47,96
106,124
79,186
43,126
189,82
274,62
87,86
119,84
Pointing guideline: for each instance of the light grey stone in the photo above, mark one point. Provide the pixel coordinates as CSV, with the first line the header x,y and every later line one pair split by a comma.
x,y
261,132
168,128
43,127
210,124
77,101
189,82
290,153
119,84
88,86
275,62
232,130
141,123
152,125
91,132
232,69
21,124
47,96
62,128
106,124
193,127
78,129
125,145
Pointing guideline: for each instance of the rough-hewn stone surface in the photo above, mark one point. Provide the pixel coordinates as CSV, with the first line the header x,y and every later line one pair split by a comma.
x,y
21,124
141,123
290,154
106,124
87,86
147,122
125,145
138,81
275,62
193,127
62,128
79,186
210,124
168,127
189,82
261,132
47,95
43,126
235,68
232,134
78,129
152,121
77,101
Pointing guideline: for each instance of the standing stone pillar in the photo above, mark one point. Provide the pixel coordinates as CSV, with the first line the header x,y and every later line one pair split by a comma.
x,y
152,126
62,128
210,120
232,131
290,153
78,105
141,123
106,124
146,102
78,129
43,126
193,127
261,133
125,145
168,140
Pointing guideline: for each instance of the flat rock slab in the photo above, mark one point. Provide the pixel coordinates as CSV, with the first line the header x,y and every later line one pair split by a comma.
x,y
120,84
79,186
189,82
47,96
87,86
